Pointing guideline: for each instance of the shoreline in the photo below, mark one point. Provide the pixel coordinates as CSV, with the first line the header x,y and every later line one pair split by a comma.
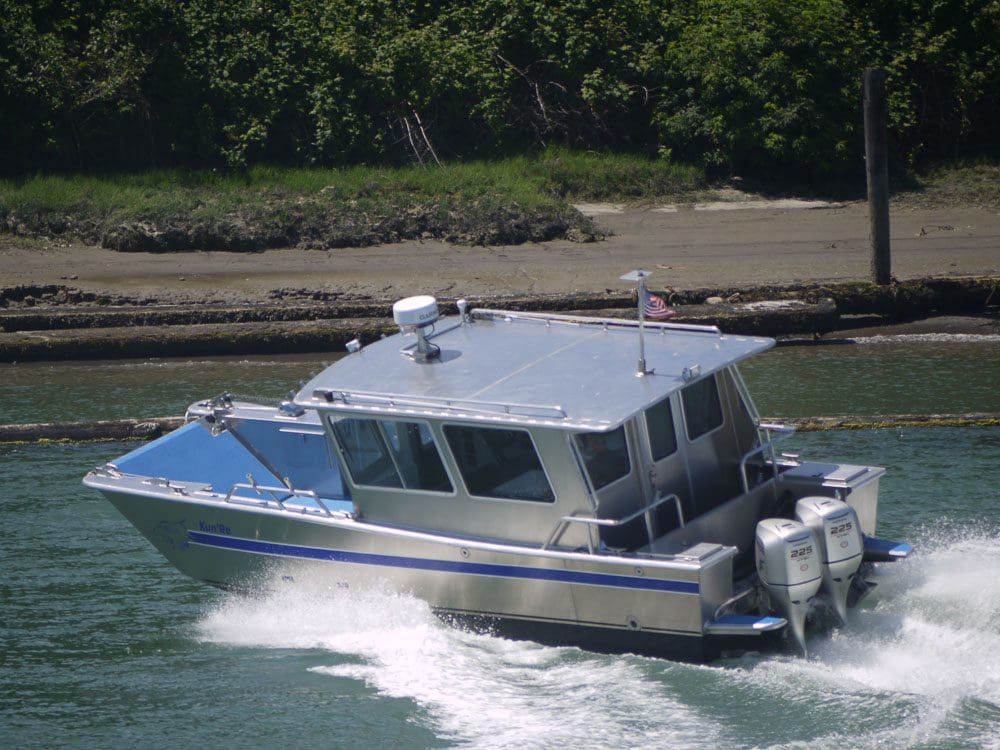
x,y
809,325
779,271
62,325
685,250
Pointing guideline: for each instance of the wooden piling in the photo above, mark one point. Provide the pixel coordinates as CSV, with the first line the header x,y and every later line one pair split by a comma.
x,y
877,173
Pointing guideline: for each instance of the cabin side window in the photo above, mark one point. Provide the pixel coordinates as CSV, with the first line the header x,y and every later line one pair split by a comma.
x,y
605,456
499,463
660,427
702,408
390,453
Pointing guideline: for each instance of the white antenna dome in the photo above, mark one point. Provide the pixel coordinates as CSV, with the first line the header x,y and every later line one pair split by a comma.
x,y
415,315
415,312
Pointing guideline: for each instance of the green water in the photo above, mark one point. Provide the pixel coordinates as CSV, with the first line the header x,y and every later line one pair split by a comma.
x,y
911,377
120,389
104,645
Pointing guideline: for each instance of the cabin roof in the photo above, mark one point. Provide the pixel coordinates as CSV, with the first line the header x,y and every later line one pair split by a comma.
x,y
528,369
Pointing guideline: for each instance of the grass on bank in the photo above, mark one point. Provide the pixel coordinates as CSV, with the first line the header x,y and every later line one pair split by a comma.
x,y
549,180
974,183
86,206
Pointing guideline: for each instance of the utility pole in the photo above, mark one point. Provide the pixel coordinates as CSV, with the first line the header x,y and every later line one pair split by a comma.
x,y
877,173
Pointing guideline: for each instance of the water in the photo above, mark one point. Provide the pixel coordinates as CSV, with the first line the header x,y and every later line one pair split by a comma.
x,y
937,374
103,644
913,375
42,392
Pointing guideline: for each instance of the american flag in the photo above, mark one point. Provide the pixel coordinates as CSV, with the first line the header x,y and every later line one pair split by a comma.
x,y
656,309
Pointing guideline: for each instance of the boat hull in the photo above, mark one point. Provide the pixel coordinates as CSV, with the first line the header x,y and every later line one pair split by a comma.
x,y
600,603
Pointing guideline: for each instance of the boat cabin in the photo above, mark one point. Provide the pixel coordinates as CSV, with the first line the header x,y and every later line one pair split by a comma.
x,y
542,430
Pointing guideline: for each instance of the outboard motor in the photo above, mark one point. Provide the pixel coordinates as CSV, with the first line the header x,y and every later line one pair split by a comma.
x,y
841,545
788,565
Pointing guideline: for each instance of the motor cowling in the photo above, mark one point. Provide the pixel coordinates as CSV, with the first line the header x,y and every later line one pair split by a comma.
x,y
788,566
841,546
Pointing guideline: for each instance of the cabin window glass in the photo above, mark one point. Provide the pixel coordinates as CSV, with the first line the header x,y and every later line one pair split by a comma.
x,y
499,463
660,426
605,456
392,454
365,453
702,408
417,456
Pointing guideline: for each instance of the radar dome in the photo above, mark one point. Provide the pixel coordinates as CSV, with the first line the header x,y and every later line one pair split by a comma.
x,y
415,312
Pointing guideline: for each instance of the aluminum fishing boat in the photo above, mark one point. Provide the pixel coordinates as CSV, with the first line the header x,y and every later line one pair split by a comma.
x,y
527,474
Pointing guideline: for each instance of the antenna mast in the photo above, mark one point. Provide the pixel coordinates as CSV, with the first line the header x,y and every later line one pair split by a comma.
x,y
639,276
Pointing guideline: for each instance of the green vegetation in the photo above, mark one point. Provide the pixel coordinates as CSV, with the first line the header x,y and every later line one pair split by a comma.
x,y
554,175
965,184
735,87
511,200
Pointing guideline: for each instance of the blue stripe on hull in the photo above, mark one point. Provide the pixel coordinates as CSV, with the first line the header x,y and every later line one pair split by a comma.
x,y
445,566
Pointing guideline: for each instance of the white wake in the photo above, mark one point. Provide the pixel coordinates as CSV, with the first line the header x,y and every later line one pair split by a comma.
x,y
479,691
909,670
917,661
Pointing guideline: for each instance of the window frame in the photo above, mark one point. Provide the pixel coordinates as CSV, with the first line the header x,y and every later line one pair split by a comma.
x,y
497,428
377,423
673,429
718,399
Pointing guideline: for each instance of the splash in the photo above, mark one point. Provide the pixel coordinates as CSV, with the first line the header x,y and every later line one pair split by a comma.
x,y
477,690
918,666
926,652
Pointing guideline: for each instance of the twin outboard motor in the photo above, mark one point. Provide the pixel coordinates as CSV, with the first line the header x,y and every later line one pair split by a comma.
x,y
841,544
788,565
821,551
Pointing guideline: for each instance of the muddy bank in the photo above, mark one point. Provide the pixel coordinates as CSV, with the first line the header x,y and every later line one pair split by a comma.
x,y
789,313
725,268
43,306
331,335
685,250
43,323
281,337
316,225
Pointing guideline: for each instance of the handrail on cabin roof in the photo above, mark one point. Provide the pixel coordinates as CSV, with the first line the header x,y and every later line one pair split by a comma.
x,y
583,320
373,398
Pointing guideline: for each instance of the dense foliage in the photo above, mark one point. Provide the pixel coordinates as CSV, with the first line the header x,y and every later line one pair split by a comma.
x,y
739,86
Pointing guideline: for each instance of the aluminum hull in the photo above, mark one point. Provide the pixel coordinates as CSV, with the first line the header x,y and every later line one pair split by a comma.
x,y
611,604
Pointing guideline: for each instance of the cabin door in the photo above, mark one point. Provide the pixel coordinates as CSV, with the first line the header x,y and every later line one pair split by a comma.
x,y
668,473
614,467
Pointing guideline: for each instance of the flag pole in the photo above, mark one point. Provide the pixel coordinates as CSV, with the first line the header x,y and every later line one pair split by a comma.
x,y
639,276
